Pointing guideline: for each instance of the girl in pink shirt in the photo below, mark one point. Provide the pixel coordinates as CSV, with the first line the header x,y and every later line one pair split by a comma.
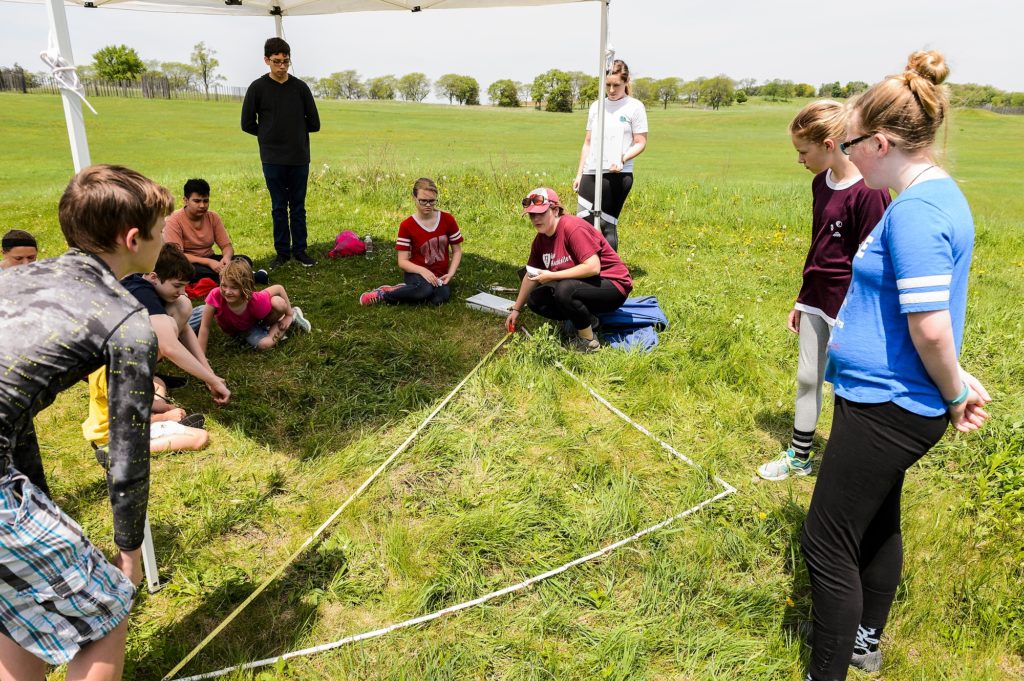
x,y
259,318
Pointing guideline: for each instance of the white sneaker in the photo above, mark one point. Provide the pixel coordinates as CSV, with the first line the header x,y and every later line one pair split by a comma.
x,y
300,321
786,465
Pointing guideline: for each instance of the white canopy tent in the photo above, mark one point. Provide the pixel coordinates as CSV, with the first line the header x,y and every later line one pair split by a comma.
x,y
62,61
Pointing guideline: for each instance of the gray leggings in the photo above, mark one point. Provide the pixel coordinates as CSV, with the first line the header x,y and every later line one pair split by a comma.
x,y
810,371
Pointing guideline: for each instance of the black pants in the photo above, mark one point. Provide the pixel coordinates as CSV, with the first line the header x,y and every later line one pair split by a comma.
x,y
614,190
287,187
203,272
576,299
417,290
851,539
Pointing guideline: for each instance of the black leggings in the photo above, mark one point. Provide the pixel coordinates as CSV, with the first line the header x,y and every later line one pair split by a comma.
x,y
577,300
614,190
200,271
851,539
417,290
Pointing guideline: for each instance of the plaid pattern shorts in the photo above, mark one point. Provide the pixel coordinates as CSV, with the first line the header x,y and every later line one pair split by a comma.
x,y
58,592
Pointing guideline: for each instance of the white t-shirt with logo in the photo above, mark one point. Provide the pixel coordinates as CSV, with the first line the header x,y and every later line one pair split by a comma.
x,y
623,118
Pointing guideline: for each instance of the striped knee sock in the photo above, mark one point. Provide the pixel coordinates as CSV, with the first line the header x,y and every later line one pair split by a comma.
x,y
801,443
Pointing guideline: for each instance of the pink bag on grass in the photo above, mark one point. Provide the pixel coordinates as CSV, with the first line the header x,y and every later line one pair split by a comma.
x,y
347,243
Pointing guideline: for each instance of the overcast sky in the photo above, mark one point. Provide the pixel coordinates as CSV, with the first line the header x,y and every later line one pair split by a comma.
x,y
811,41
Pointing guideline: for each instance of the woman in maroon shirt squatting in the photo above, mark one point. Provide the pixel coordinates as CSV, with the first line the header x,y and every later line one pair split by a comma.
x,y
572,272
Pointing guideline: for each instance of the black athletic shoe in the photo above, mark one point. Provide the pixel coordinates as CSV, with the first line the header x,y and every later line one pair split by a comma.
x,y
194,421
173,382
262,277
304,259
278,261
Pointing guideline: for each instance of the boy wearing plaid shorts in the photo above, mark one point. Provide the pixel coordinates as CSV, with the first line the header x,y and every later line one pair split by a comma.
x,y
61,600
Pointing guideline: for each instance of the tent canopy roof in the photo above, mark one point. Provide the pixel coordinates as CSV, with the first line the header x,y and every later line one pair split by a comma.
x,y
262,8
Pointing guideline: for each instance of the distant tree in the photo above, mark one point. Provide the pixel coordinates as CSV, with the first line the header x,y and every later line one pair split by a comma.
x,y
741,96
348,84
778,90
447,86
645,90
118,62
205,65
504,93
579,82
538,90
667,90
327,88
31,79
855,87
179,76
833,90
690,90
588,92
468,91
414,87
553,88
748,85
803,90
382,87
718,91
524,91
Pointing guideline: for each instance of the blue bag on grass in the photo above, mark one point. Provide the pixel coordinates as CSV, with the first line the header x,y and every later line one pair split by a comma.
x,y
634,326
635,313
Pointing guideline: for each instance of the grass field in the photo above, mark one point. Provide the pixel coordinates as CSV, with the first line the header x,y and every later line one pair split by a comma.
x,y
523,471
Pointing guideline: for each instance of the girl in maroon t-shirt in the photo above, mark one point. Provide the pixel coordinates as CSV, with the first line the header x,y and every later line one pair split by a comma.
x,y
424,239
845,211
572,273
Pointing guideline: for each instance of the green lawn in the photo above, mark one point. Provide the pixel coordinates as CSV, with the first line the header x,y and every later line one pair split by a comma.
x,y
523,471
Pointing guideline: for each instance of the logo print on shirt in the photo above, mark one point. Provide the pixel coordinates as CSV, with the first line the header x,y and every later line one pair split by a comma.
x,y
547,260
835,227
435,250
864,246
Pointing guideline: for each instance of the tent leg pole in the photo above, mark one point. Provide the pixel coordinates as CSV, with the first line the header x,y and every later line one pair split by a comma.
x,y
72,105
279,25
602,67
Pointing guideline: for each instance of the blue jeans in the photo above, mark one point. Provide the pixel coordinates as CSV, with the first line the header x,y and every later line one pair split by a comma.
x,y
417,290
287,186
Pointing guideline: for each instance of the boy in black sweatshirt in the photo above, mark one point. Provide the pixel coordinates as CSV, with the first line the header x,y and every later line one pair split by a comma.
x,y
279,109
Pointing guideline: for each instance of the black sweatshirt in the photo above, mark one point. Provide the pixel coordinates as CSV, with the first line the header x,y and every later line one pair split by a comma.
x,y
281,115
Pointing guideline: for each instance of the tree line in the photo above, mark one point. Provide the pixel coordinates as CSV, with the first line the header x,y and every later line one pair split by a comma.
x,y
553,90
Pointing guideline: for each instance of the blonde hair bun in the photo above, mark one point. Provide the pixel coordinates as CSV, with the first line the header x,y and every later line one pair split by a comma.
x,y
928,64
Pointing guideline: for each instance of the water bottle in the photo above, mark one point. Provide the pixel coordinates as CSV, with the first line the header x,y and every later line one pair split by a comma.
x,y
368,241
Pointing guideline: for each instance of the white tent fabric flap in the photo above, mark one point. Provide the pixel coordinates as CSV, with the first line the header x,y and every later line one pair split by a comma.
x,y
262,8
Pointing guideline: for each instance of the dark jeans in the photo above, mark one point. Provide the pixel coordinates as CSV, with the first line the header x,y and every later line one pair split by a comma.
x,y
203,272
287,186
417,290
614,190
851,539
576,299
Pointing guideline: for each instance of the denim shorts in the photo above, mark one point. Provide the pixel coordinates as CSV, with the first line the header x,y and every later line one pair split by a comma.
x,y
57,591
254,335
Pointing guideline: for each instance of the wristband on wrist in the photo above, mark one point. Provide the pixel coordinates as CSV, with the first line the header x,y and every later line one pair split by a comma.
x,y
959,399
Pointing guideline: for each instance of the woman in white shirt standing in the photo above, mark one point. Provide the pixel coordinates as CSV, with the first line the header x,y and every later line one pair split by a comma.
x,y
625,138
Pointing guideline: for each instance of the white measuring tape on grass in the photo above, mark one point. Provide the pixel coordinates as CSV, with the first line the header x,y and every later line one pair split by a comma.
x,y
727,490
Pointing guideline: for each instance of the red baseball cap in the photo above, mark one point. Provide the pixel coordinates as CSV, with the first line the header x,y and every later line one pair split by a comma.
x,y
540,199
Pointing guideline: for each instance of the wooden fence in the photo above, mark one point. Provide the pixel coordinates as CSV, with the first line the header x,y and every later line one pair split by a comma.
x,y
147,87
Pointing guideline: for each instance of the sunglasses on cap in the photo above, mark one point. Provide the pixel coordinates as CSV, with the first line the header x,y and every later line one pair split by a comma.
x,y
535,200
